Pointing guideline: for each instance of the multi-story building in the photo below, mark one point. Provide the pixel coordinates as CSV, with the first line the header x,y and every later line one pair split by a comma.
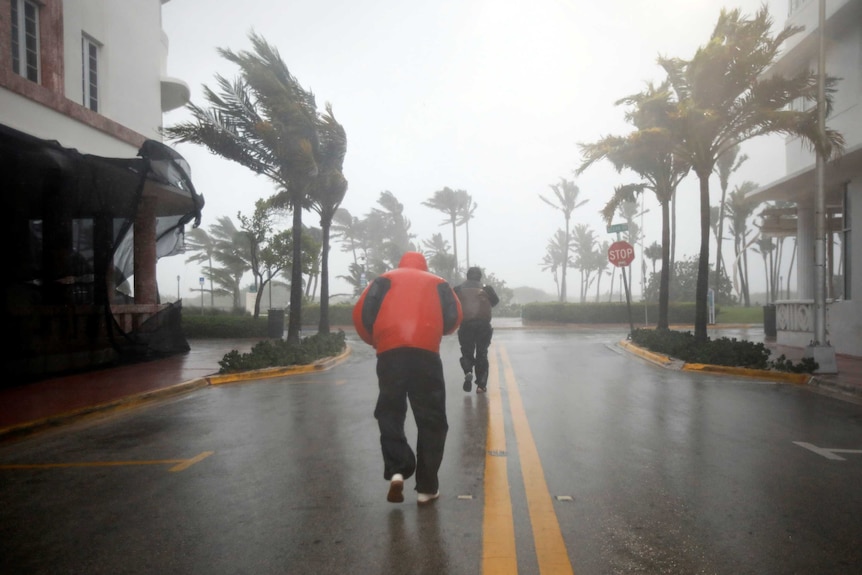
x,y
795,319
91,196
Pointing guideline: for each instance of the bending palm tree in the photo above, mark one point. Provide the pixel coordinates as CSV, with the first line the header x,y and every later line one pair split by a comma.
x,y
566,193
452,203
327,192
464,218
266,121
727,163
739,211
723,98
649,152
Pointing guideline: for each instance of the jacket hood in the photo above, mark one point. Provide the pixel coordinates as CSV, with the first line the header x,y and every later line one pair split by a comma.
x,y
413,260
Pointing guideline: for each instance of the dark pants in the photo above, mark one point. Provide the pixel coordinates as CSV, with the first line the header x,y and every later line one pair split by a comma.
x,y
474,336
417,375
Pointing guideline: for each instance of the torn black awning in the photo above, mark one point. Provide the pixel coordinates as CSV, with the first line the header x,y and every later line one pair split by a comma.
x,y
44,181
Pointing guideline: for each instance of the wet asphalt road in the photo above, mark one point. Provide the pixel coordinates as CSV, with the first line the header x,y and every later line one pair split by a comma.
x,y
580,459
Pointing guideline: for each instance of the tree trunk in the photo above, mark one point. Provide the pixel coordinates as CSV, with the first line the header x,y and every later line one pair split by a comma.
x,y
664,281
565,265
702,289
455,245
323,323
257,297
294,322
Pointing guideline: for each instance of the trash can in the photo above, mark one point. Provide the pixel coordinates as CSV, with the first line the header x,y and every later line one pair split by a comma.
x,y
769,328
275,327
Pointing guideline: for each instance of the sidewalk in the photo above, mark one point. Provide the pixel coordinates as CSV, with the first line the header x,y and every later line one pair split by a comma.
x,y
52,402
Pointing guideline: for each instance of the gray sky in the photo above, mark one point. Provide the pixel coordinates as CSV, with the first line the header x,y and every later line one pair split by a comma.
x,y
488,96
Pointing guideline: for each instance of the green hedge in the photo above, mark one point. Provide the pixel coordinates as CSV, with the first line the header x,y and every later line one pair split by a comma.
x,y
222,325
609,312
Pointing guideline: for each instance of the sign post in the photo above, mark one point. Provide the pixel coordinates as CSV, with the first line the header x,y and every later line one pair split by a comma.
x,y
621,254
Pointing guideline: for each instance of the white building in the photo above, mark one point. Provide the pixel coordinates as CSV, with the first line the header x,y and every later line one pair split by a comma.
x,y
91,197
90,74
795,320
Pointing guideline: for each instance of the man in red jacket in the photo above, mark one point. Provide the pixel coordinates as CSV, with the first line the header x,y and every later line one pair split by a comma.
x,y
404,314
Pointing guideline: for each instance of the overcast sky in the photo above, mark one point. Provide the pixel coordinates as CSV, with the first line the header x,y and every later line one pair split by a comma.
x,y
488,96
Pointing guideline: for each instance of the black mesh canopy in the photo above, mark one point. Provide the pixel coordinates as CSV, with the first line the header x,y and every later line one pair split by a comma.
x,y
70,237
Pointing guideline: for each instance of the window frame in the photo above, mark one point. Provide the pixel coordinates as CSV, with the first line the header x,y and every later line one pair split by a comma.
x,y
26,56
90,55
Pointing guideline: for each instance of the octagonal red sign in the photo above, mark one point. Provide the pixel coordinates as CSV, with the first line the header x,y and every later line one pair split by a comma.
x,y
621,254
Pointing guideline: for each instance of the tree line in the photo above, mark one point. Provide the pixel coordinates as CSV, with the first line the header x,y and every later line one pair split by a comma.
x,y
692,122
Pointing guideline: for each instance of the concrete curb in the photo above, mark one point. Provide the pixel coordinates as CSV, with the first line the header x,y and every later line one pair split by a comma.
x,y
144,398
651,356
128,402
668,362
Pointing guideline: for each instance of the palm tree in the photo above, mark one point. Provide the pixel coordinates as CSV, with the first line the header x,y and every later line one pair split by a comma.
x,y
649,153
350,230
584,242
440,261
727,164
202,247
396,227
566,193
557,255
766,247
653,253
266,121
464,220
452,203
739,211
601,265
231,251
326,194
723,98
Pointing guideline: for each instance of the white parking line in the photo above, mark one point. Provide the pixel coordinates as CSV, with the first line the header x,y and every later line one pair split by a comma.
x,y
827,452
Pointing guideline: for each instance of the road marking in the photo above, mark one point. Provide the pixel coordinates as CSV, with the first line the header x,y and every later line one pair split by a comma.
x,y
178,464
550,546
499,555
827,452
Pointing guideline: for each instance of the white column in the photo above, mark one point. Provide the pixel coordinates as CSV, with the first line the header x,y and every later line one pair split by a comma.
x,y
805,249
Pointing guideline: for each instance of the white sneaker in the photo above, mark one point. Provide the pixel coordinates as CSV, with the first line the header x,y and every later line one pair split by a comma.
x,y
396,489
425,498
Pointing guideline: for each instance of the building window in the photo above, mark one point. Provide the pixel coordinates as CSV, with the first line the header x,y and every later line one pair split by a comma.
x,y
25,39
90,73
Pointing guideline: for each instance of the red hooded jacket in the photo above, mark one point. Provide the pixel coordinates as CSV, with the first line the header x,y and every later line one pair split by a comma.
x,y
407,307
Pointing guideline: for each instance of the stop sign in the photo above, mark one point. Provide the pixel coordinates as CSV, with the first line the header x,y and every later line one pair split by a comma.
x,y
621,254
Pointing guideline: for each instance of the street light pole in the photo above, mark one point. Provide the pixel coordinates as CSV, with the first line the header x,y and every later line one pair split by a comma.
x,y
643,263
178,288
819,349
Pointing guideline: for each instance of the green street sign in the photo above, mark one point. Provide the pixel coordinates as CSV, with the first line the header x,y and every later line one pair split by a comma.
x,y
617,228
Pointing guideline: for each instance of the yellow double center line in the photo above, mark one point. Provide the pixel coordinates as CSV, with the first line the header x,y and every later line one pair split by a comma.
x,y
499,555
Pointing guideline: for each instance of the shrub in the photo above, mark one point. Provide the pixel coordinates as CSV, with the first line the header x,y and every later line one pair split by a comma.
x,y
278,353
721,351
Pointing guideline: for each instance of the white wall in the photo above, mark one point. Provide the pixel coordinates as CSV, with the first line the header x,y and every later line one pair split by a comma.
x,y
132,58
37,120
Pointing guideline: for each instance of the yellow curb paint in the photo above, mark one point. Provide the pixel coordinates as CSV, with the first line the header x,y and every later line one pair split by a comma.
x,y
798,378
550,546
179,464
272,372
646,354
499,555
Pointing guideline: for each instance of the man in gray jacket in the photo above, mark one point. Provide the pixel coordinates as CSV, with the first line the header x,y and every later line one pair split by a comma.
x,y
475,332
